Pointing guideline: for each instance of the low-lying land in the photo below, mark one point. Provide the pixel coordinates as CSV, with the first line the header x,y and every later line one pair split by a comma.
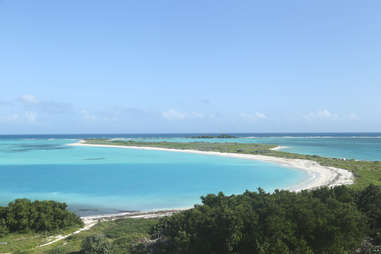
x,y
122,234
218,136
365,172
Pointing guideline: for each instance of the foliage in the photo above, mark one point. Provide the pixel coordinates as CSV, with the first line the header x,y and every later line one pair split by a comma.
x,y
3,227
322,221
126,236
316,222
58,250
22,215
369,202
96,244
219,136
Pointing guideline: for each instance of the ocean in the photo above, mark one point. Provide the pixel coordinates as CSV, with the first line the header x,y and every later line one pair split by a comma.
x,y
95,180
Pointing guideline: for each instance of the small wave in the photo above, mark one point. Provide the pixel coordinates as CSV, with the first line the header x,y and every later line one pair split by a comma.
x,y
119,139
280,148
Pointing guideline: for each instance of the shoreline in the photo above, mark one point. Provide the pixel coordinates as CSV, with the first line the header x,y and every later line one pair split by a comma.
x,y
92,220
318,175
279,148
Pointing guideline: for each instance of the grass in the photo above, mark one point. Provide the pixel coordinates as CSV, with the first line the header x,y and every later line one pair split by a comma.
x,y
122,233
365,172
18,242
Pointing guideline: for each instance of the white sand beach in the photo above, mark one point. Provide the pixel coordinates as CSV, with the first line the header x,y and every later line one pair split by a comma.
x,y
319,175
279,148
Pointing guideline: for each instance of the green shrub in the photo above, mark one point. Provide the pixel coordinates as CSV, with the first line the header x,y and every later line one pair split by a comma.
x,y
96,244
22,215
315,222
3,227
57,250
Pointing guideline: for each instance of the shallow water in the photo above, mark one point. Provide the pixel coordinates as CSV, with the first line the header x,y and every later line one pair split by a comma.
x,y
359,146
97,180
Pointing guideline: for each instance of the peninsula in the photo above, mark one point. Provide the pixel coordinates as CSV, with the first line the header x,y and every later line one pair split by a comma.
x,y
323,171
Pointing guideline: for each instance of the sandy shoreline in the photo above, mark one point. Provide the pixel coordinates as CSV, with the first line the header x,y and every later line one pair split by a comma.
x,y
91,221
279,148
319,175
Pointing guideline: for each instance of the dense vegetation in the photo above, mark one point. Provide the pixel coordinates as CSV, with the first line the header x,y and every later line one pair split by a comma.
x,y
340,220
323,221
22,215
96,244
365,172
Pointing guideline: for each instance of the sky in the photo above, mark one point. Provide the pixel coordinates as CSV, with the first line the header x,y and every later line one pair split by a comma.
x,y
166,66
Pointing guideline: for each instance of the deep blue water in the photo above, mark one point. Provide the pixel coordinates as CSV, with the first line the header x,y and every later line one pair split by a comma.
x,y
114,179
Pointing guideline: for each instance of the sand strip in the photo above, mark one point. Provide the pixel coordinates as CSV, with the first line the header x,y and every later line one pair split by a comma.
x,y
319,175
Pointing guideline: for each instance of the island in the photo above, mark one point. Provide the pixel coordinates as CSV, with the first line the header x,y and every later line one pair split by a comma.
x,y
331,171
219,136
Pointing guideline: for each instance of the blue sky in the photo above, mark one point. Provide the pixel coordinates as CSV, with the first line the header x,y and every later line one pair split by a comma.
x,y
189,66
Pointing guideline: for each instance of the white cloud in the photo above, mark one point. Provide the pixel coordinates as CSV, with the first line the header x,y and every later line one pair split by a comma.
x,y
353,116
174,115
87,115
9,118
29,99
252,117
260,115
13,117
30,116
197,115
205,101
321,114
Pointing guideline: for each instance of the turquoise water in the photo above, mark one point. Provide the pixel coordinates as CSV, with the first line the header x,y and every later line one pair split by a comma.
x,y
359,148
363,147
97,180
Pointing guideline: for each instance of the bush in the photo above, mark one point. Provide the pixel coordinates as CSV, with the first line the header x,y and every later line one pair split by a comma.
x,y
311,222
3,228
58,250
96,244
22,215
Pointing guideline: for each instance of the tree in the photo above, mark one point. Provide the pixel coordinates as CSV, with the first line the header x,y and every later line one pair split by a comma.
x,y
3,227
310,222
22,215
96,244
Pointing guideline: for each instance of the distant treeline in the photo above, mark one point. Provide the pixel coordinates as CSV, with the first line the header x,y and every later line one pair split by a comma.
x,y
22,215
322,221
219,136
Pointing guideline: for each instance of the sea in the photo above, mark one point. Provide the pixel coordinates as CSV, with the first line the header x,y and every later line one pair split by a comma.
x,y
98,180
